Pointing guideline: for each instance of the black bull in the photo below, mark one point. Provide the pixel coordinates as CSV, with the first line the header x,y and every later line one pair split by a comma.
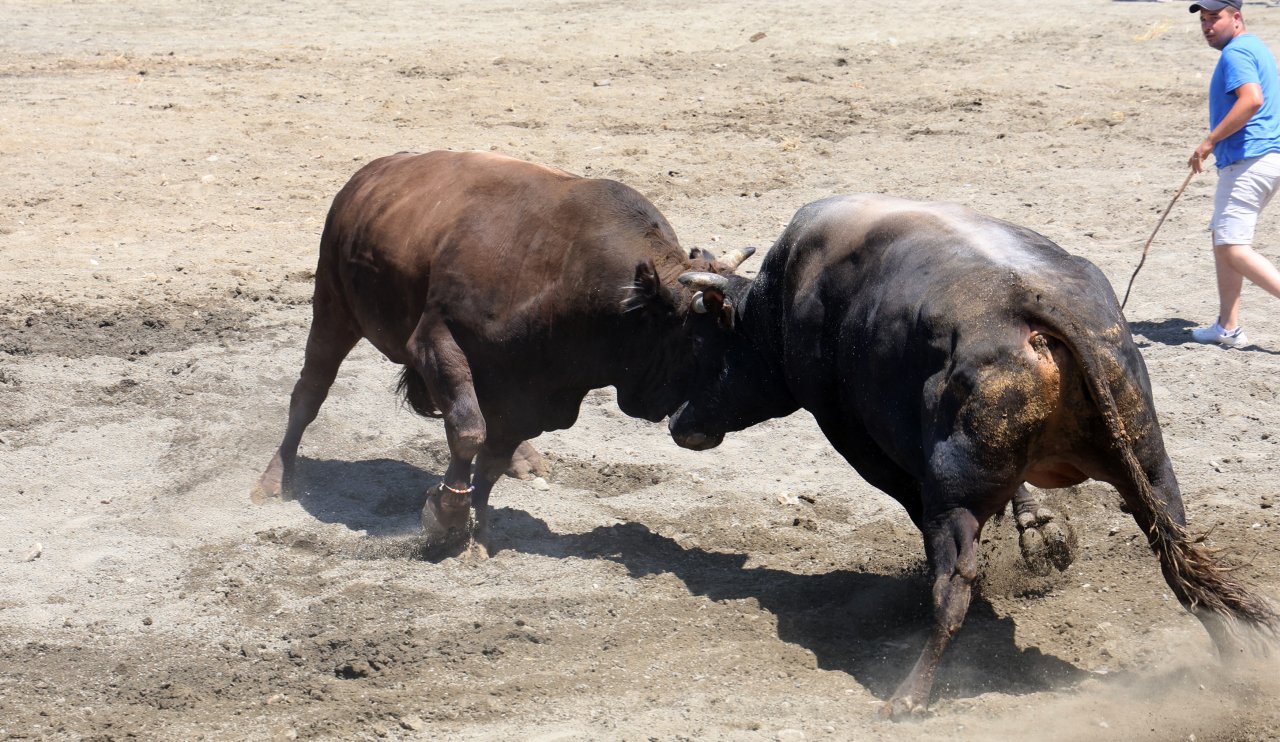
x,y
951,358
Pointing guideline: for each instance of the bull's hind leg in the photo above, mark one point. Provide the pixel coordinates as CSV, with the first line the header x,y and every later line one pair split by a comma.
x,y
526,462
1046,542
435,355
333,334
951,545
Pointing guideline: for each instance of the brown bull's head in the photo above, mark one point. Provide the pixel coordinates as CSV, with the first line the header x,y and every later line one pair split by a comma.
x,y
678,329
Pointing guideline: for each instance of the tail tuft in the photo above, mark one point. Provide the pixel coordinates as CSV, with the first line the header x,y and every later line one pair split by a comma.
x,y
414,390
1238,619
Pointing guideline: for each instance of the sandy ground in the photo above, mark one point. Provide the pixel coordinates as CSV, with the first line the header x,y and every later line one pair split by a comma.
x,y
166,171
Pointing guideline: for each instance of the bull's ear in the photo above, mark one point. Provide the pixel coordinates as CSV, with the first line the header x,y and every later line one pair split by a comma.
x,y
710,297
647,290
727,316
701,253
714,303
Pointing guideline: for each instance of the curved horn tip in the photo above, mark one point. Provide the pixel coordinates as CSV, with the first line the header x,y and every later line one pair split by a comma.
x,y
738,257
704,279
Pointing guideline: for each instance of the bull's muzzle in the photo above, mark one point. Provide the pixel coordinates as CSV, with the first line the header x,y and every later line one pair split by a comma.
x,y
685,436
698,441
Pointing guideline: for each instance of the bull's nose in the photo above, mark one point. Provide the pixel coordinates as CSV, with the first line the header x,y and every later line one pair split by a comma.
x,y
697,441
690,438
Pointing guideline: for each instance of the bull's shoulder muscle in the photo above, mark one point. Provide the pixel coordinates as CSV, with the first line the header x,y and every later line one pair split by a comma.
x,y
947,232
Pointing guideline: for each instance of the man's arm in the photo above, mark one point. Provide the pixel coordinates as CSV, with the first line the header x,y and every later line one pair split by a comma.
x,y
1248,101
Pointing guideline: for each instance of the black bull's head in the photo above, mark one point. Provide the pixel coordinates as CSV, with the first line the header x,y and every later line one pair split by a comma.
x,y
701,420
710,296
687,333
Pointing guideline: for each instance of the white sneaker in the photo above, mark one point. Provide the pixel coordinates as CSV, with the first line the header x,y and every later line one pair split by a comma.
x,y
1215,334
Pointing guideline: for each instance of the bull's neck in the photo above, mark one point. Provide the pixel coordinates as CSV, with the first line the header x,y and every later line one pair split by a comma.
x,y
760,319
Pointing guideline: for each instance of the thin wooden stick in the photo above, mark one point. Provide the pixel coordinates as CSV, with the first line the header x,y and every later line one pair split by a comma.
x,y
1147,246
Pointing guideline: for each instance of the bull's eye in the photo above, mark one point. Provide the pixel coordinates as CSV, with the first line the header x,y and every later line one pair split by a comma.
x,y
698,305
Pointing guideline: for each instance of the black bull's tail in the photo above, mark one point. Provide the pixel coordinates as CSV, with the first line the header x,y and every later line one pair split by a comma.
x,y
414,389
1233,614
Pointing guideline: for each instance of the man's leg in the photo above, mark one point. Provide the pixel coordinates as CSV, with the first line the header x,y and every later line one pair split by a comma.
x,y
1244,189
1230,283
1234,263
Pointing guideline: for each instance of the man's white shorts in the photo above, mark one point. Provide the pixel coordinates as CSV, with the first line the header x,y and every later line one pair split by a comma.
x,y
1244,188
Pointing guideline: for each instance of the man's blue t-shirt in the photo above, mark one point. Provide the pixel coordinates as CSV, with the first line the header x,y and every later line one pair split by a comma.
x,y
1245,59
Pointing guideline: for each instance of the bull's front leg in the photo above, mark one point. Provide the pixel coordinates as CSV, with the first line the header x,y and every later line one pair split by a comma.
x,y
435,355
491,463
1045,540
951,544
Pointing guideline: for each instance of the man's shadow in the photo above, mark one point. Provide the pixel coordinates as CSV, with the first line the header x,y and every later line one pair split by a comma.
x,y
1176,331
870,626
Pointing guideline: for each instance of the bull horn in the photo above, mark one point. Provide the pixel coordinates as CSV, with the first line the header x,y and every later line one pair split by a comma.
x,y
737,257
704,280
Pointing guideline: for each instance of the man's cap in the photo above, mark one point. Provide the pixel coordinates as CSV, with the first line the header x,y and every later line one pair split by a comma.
x,y
1215,5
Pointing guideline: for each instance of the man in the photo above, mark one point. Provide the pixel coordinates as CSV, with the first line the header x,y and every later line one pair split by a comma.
x,y
1244,138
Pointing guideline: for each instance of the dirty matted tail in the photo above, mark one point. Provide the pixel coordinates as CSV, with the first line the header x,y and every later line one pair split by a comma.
x,y
1237,618
1234,615
414,390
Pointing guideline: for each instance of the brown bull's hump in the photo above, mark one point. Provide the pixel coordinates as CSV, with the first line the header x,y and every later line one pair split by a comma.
x,y
473,158
508,161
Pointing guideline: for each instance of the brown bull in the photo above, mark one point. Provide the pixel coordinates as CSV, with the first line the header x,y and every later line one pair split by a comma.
x,y
507,290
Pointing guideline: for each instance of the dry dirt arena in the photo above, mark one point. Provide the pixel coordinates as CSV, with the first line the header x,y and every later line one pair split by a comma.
x,y
166,171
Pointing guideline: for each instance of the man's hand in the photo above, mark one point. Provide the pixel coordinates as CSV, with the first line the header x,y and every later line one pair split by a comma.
x,y
1198,157
1248,102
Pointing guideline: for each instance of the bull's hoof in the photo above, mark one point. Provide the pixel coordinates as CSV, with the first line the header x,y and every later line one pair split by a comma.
x,y
1047,541
475,552
1033,552
270,485
903,709
264,492
1060,543
527,463
443,525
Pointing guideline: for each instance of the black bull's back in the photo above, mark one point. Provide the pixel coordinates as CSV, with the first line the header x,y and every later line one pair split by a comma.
x,y
951,358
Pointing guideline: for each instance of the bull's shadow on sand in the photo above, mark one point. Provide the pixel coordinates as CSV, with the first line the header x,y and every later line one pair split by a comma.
x,y
1176,331
382,497
871,626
